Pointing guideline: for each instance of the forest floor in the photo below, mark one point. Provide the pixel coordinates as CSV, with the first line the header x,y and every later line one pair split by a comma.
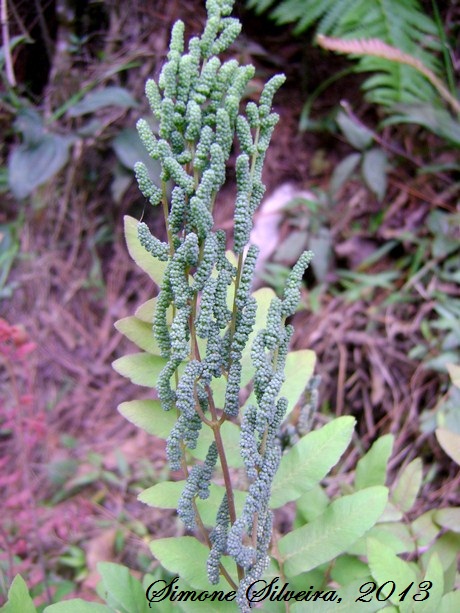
x,y
71,465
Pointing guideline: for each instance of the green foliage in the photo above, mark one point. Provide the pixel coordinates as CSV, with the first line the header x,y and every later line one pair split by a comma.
x,y
344,18
380,555
366,546
47,141
77,604
436,120
449,438
9,249
308,461
402,24
187,557
372,161
400,45
40,156
19,600
120,589
44,152
376,49
99,99
327,536
371,468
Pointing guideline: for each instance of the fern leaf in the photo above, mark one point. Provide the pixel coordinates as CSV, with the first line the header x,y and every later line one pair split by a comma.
x,y
394,83
379,49
401,24
333,15
305,12
259,5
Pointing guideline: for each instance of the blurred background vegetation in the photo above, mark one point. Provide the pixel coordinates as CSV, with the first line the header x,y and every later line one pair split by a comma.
x,y
367,151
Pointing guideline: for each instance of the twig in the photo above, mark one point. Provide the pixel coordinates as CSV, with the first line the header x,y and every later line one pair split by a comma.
x,y
6,44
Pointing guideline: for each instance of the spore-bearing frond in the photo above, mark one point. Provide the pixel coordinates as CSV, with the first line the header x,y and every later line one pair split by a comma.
x,y
185,432
221,312
292,292
249,442
205,315
186,256
251,577
247,278
165,392
215,358
218,537
160,319
185,393
197,107
146,185
207,262
177,213
151,244
197,485
148,139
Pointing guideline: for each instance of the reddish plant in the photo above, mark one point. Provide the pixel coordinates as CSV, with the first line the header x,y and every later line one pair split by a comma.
x,y
22,429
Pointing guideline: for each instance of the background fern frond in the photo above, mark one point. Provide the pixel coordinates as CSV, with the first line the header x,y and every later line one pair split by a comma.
x,y
402,24
297,11
394,83
377,49
259,6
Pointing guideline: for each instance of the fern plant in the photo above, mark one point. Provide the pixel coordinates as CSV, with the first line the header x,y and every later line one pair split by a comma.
x,y
400,23
219,355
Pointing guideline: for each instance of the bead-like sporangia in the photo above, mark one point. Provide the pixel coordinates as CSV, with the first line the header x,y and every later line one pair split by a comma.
x,y
205,313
